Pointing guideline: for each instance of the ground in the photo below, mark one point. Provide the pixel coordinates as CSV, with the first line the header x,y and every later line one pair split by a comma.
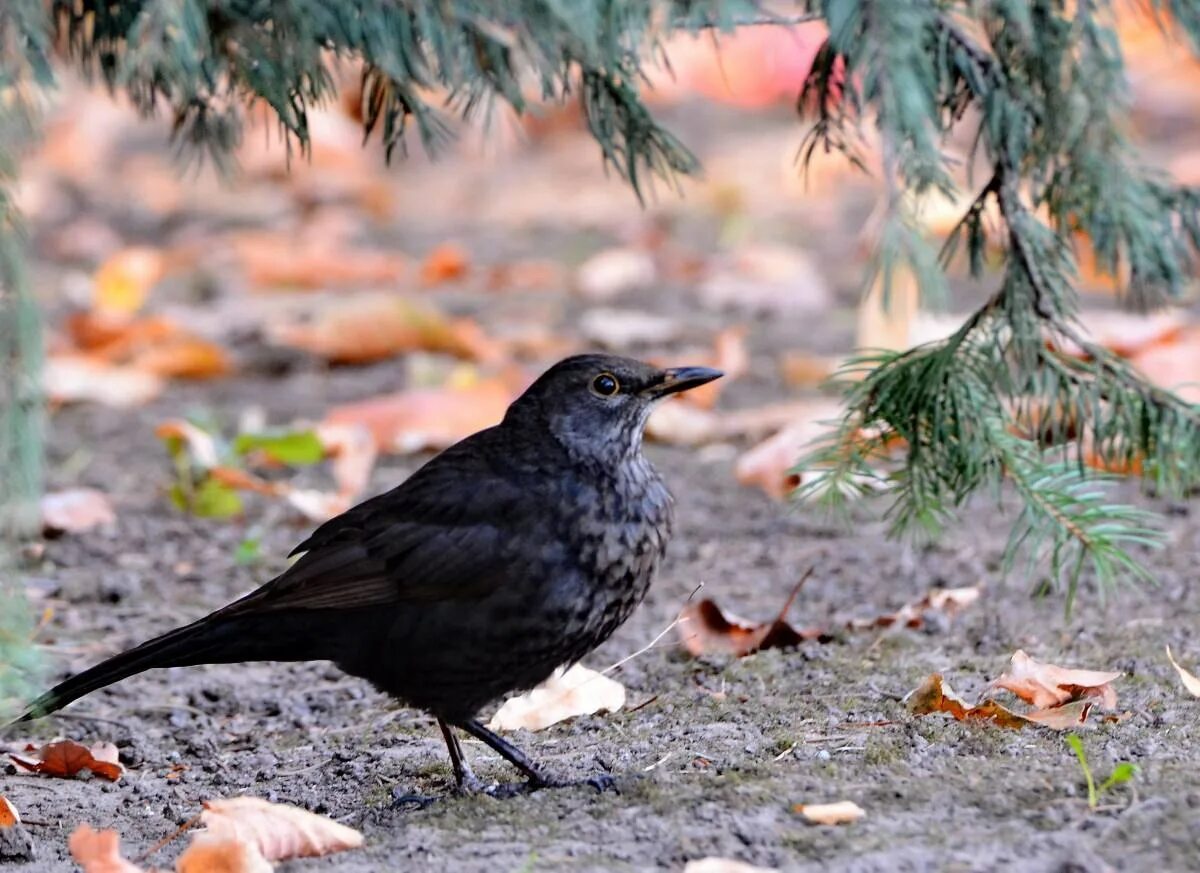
x,y
712,754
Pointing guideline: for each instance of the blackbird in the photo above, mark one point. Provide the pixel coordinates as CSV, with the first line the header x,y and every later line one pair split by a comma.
x,y
515,551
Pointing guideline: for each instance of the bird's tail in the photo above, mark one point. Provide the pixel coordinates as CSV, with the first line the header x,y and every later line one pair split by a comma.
x,y
215,639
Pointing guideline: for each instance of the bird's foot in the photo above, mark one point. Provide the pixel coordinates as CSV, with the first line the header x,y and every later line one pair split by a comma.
x,y
600,781
471,784
406,800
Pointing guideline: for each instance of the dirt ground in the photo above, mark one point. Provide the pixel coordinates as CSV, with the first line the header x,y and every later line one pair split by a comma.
x,y
715,752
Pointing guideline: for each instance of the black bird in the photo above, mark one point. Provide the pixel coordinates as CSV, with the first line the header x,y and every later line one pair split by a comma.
x,y
515,551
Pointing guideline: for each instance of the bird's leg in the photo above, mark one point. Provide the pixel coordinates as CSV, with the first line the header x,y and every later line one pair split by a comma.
x,y
538,778
467,781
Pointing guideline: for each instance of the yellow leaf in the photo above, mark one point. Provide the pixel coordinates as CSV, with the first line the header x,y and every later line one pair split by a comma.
x,y
123,282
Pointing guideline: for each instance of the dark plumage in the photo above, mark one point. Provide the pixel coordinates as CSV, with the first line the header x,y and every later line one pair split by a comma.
x,y
513,552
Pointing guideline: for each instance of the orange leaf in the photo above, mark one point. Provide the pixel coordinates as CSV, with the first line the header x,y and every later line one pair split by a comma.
x,y
185,358
123,282
115,336
377,328
273,260
75,510
65,759
98,851
445,263
1045,685
242,480
936,695
8,813
427,418
208,853
278,830
949,601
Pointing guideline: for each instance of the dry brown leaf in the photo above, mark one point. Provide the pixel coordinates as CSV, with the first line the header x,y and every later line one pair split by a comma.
x,y
280,831
1046,685
949,601
842,812
78,378
936,695
8,813
124,280
65,759
381,327
704,629
447,262
98,851
185,358
243,480
1190,681
75,510
209,853
115,337
526,276
769,464
427,418
566,694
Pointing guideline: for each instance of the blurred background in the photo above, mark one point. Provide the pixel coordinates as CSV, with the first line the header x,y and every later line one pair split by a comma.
x,y
213,337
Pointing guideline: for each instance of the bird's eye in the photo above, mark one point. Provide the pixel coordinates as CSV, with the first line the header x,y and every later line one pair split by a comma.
x,y
606,385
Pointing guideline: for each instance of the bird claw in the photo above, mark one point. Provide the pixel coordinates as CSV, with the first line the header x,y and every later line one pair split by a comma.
x,y
401,800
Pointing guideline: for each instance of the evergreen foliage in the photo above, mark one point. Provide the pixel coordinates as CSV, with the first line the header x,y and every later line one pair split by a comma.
x,y
1039,82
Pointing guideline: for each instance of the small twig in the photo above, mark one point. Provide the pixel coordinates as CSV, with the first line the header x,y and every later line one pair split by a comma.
x,y
661,760
679,618
187,825
643,704
785,753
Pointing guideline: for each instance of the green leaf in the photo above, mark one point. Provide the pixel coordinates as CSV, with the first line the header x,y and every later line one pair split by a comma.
x,y
297,447
214,500
1122,773
248,551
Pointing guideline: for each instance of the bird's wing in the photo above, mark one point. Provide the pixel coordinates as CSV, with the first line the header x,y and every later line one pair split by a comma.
x,y
452,531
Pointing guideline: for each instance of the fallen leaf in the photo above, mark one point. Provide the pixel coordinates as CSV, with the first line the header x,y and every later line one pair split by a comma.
x,y
577,691
1174,365
180,435
447,262
806,370
774,279
704,629
124,280
287,447
526,276
427,418
621,329
724,865
1190,681
8,813
769,464
75,510
685,425
65,759
612,273
729,355
98,851
353,450
77,378
842,812
278,830
278,260
185,358
209,853
381,327
1046,685
949,601
117,337
936,695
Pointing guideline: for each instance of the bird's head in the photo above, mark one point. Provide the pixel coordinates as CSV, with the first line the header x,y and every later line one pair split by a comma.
x,y
597,405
